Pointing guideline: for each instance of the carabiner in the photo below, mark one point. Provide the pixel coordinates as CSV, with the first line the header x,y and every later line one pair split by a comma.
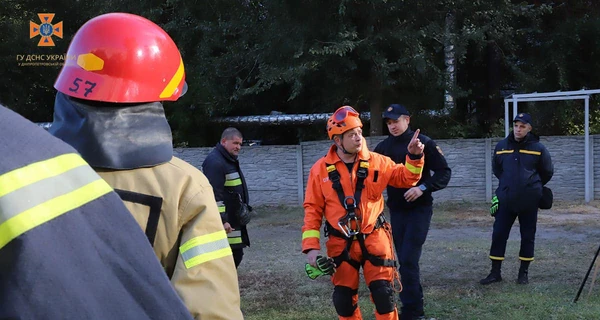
x,y
345,225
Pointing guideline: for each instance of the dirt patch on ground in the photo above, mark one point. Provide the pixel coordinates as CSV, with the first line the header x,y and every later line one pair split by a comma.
x,y
570,214
452,222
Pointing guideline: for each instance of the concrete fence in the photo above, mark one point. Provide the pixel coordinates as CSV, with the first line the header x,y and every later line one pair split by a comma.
x,y
278,174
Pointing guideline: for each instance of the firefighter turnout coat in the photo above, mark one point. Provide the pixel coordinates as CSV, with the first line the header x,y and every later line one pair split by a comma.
x,y
69,249
173,202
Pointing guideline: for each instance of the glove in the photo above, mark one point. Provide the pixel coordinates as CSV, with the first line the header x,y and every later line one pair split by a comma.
x,y
325,266
494,207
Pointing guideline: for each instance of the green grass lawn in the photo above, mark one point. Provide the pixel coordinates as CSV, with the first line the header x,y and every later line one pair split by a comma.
x,y
273,284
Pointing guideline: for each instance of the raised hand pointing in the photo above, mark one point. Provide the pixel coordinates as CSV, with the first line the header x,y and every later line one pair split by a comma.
x,y
415,146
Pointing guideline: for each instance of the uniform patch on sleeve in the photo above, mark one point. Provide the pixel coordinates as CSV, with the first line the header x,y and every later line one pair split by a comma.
x,y
439,150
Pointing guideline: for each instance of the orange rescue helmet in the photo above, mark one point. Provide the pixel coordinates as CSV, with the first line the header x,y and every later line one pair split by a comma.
x,y
123,58
343,119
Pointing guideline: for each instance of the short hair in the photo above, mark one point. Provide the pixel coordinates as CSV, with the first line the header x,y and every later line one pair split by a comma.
x,y
231,133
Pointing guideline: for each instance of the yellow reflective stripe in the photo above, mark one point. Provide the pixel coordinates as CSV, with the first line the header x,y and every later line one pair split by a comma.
x,y
330,168
413,169
224,252
202,240
34,172
221,206
233,183
311,234
51,209
504,151
496,258
236,240
175,81
536,153
205,248
526,259
234,237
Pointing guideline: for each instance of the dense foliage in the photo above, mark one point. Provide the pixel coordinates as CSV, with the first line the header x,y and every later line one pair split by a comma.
x,y
250,57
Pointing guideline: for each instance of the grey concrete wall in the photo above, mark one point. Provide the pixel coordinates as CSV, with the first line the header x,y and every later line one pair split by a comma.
x,y
271,172
278,174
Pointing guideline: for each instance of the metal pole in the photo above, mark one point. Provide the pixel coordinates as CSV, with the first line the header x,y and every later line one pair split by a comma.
x,y
586,276
488,169
587,150
514,108
506,127
557,93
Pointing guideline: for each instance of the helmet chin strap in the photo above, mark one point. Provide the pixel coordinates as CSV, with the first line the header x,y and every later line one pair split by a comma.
x,y
341,146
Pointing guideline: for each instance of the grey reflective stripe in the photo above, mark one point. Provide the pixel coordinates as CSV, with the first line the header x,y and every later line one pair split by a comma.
x,y
205,248
234,234
42,191
232,176
220,203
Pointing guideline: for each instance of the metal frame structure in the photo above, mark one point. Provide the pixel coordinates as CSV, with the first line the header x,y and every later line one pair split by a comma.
x,y
554,96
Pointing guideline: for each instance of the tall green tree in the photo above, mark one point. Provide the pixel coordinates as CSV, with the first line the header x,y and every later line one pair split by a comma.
x,y
251,57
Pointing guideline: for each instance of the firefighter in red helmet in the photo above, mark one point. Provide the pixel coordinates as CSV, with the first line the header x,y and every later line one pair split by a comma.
x,y
345,189
120,68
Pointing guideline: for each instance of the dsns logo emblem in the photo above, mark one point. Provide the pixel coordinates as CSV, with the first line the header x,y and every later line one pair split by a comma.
x,y
46,29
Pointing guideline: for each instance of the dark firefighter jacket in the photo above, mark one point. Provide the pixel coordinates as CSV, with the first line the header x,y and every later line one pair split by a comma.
x,y
397,149
69,249
224,173
522,168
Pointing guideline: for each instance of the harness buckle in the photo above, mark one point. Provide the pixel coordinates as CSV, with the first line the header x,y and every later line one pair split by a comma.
x,y
349,205
345,225
362,173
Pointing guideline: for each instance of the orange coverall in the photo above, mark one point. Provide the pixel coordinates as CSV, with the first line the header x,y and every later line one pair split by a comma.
x,y
322,201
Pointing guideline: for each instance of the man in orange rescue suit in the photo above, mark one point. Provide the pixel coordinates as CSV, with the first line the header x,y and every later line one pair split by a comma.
x,y
222,168
109,107
69,249
345,188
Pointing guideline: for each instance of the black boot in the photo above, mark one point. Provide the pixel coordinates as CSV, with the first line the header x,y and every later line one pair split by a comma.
x,y
523,270
411,315
412,312
494,275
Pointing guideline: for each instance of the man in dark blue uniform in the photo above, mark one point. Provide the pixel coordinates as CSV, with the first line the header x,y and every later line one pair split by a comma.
x,y
523,166
69,249
411,209
222,169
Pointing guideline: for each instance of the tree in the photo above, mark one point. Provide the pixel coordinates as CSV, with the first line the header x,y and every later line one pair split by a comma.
x,y
251,57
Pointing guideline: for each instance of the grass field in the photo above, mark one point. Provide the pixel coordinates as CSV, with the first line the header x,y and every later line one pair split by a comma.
x,y
273,284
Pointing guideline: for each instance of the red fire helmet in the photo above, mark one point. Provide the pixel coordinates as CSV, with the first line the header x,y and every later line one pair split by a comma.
x,y
122,58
